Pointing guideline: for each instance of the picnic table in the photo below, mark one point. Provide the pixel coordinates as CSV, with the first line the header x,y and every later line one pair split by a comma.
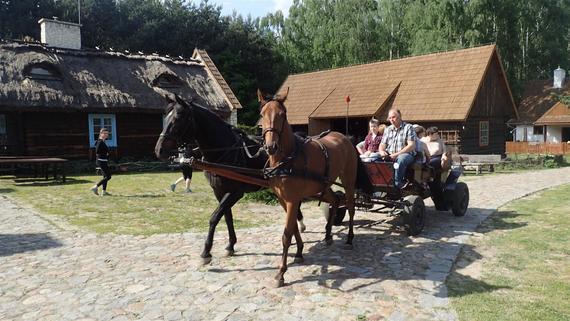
x,y
41,165
480,162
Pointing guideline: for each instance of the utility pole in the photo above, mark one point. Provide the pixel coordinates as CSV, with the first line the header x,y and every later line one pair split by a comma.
x,y
347,100
79,12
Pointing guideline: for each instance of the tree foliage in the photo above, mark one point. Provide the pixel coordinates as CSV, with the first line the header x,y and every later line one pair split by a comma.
x,y
532,35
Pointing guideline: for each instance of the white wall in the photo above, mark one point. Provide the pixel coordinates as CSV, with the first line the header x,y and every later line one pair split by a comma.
x,y
520,134
553,134
60,34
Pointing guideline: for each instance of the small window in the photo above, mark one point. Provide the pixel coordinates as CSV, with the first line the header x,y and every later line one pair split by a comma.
x,y
3,129
42,71
98,121
538,130
484,133
167,81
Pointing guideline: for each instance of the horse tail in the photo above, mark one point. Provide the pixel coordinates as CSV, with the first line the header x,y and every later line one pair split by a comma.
x,y
363,182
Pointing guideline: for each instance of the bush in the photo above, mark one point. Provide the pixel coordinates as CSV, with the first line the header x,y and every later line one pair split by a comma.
x,y
250,130
263,196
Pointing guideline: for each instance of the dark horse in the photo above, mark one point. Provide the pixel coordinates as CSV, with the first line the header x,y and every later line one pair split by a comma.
x,y
219,142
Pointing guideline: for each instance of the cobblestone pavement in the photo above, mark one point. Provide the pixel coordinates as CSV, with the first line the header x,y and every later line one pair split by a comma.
x,y
49,273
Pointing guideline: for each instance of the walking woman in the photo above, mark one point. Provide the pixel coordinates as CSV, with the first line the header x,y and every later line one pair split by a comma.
x,y
184,154
102,152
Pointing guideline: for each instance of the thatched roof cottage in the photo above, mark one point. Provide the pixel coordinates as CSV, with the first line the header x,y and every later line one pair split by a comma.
x,y
54,97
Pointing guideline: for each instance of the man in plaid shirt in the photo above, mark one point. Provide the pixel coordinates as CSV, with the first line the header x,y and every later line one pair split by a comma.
x,y
398,142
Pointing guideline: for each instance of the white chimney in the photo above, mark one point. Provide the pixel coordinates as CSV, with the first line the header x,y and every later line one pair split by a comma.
x,y
559,75
60,34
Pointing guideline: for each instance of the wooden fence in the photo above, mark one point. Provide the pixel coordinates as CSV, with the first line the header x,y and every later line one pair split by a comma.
x,y
537,148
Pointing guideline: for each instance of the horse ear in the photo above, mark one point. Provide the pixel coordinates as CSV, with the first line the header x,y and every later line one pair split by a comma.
x,y
283,97
260,96
170,97
182,102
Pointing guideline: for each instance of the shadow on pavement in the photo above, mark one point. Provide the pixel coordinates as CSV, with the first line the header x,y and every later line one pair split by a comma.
x,y
11,244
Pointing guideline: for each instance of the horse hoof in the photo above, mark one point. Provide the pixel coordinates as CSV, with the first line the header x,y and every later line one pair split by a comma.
x,y
329,241
279,282
298,259
348,246
230,252
302,227
206,260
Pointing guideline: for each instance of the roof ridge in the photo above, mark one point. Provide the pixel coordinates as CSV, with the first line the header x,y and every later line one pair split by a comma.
x,y
492,45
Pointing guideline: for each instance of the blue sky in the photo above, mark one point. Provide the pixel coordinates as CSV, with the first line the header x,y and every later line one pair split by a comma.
x,y
257,8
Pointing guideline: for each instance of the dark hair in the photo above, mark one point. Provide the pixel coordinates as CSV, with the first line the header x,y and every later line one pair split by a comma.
x,y
374,121
419,129
432,130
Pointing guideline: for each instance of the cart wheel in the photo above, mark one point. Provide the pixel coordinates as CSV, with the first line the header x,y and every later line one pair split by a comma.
x,y
460,199
414,214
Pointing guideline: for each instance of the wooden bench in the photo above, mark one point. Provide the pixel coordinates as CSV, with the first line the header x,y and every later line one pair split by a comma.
x,y
40,164
480,162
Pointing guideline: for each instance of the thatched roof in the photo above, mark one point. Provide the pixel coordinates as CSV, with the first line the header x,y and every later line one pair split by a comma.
x,y
95,80
434,87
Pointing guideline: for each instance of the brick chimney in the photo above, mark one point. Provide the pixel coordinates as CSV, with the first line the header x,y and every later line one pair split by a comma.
x,y
60,34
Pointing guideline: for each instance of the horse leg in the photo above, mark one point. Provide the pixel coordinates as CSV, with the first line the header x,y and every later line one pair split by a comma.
x,y
349,193
228,216
290,229
302,226
225,202
329,197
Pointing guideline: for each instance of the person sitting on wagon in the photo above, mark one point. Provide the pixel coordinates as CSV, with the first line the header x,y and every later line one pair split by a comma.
x,y
399,143
422,152
369,151
436,147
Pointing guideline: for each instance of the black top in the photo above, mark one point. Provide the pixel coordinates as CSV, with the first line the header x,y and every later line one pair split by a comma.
x,y
102,150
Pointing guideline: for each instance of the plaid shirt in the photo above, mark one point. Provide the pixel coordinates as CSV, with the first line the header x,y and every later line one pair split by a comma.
x,y
396,139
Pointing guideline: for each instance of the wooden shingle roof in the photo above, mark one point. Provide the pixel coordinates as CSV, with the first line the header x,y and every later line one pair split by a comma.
x,y
559,114
538,98
433,87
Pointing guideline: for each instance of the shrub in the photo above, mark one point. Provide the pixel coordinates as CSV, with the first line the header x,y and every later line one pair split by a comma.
x,y
263,196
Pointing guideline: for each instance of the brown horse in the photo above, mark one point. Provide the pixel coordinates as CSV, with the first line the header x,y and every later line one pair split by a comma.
x,y
305,169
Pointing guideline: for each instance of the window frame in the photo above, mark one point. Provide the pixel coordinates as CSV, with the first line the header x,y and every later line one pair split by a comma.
x,y
49,72
483,129
113,130
3,125
535,132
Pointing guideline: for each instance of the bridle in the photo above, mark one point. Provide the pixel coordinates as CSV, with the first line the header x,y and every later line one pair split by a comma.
x,y
274,130
191,122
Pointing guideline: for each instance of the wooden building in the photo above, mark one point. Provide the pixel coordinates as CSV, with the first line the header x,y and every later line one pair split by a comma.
x,y
543,118
54,98
464,92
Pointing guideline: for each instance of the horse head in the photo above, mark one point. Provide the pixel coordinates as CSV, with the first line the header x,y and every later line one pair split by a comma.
x,y
273,120
178,127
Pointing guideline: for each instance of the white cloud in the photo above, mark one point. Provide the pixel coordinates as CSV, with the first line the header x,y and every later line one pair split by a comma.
x,y
282,5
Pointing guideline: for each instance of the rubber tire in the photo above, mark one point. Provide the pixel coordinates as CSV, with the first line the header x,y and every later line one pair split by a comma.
x,y
460,200
414,214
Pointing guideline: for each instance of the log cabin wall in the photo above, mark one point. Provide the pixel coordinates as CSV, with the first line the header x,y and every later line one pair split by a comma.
x,y
492,105
137,134
63,134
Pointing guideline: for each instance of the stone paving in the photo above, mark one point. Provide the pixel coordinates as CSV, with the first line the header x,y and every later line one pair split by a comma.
x,y
50,273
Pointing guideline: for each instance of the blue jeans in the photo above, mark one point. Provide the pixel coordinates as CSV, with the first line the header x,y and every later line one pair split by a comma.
x,y
403,161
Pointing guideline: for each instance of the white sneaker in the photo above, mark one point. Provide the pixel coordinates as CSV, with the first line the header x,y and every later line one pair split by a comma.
x,y
188,190
95,190
172,187
104,193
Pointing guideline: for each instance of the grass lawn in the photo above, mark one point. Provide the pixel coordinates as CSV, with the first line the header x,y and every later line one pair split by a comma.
x,y
141,203
519,269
